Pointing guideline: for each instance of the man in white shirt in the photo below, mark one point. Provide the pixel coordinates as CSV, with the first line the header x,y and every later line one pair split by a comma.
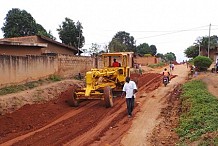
x,y
129,90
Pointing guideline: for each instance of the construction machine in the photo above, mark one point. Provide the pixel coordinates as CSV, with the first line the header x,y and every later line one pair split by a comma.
x,y
102,83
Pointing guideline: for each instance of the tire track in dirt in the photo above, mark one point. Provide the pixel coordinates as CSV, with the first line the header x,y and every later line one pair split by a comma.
x,y
64,117
84,125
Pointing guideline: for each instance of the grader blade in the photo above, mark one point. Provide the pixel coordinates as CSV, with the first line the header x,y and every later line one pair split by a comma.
x,y
108,97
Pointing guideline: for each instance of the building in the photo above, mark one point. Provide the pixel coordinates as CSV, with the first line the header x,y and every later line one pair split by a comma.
x,y
34,45
213,53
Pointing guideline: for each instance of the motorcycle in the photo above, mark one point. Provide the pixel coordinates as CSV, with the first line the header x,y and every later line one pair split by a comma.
x,y
165,81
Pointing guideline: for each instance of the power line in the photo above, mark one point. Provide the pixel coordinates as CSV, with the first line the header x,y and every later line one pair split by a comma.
x,y
169,30
177,31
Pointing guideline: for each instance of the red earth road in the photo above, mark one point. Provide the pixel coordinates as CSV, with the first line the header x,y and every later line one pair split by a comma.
x,y
56,123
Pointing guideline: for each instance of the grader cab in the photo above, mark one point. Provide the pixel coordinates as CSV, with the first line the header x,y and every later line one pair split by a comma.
x,y
102,83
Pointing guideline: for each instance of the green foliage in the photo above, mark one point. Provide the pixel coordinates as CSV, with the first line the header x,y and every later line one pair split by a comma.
x,y
20,23
204,42
28,85
169,56
122,42
161,64
71,34
54,78
202,62
94,49
191,52
18,88
147,55
199,112
209,142
143,49
160,55
153,50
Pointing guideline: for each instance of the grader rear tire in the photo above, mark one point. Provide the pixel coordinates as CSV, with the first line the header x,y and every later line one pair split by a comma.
x,y
108,97
74,101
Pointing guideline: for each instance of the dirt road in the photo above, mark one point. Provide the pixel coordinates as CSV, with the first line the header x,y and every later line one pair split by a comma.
x,y
151,107
56,123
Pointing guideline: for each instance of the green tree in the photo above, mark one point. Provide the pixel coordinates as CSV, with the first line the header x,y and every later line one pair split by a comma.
x,y
202,63
42,31
20,23
95,49
205,40
160,55
170,56
117,46
192,51
122,42
143,49
71,34
153,50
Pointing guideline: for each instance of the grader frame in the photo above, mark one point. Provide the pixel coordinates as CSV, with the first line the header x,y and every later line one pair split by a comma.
x,y
101,82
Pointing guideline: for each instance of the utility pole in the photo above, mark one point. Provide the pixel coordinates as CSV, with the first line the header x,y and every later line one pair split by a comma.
x,y
78,42
208,51
199,49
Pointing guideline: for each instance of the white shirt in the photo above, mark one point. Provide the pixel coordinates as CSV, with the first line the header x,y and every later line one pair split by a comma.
x,y
128,88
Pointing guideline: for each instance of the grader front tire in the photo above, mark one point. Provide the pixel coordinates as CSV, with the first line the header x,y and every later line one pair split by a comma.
x,y
108,97
74,101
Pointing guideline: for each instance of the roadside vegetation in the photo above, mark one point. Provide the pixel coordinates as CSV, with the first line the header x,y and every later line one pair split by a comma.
x,y
198,120
161,64
28,85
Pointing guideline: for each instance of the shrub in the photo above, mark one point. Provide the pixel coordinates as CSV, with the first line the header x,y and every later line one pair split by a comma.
x,y
161,64
202,63
147,55
54,78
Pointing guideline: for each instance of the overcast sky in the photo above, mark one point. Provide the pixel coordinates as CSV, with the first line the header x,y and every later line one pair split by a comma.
x,y
170,25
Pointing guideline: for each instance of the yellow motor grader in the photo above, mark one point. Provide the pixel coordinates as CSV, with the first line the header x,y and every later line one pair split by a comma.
x,y
101,83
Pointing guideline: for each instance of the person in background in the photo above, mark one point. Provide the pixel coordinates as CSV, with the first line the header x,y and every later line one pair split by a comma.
x,y
129,90
217,66
166,74
140,69
115,63
172,66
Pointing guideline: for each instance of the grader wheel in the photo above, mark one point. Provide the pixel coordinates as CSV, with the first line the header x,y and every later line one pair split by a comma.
x,y
74,101
108,97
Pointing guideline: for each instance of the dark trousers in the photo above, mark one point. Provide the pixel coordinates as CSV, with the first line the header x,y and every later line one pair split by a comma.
x,y
130,105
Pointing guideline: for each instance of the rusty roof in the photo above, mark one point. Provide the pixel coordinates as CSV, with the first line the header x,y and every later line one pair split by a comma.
x,y
19,41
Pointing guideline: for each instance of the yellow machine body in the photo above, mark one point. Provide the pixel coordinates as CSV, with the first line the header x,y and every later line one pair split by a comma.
x,y
114,77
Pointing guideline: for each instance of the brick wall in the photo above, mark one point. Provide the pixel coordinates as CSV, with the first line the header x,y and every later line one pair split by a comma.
x,y
72,65
146,60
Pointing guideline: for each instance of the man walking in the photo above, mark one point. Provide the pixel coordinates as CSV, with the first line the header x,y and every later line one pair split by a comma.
x,y
129,90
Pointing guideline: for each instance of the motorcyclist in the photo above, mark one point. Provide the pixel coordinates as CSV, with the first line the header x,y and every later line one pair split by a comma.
x,y
166,74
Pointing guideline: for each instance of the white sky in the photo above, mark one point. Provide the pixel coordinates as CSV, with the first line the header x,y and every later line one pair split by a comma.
x,y
145,20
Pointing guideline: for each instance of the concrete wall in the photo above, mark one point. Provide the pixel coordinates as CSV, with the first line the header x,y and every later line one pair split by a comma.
x,y
18,69
146,60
